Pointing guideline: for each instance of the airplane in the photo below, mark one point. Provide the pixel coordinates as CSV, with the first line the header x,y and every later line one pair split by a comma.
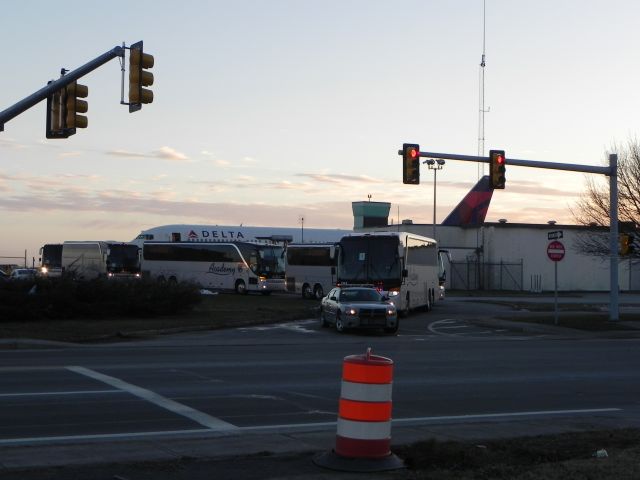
x,y
472,209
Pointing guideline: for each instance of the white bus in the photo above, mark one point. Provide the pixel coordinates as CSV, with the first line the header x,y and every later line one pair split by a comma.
x,y
311,268
240,266
225,233
51,260
93,259
404,266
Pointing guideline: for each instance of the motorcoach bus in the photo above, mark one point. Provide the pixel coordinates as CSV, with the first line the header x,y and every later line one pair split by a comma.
x,y
85,260
240,266
404,266
51,260
311,268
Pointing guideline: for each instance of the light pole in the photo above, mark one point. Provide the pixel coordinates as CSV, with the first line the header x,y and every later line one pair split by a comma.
x,y
434,165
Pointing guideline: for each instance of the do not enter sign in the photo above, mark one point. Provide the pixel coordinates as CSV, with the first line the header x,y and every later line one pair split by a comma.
x,y
555,251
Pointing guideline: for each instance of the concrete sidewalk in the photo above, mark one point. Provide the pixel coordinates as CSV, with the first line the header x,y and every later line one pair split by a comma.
x,y
253,453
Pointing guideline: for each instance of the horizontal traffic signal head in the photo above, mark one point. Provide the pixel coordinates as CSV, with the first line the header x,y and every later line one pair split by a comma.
x,y
497,168
411,163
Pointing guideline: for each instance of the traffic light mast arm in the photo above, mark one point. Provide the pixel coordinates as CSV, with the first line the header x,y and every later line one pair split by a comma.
x,y
520,163
35,98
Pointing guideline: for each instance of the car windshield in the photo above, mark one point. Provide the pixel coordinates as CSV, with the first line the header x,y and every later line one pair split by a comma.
x,y
360,296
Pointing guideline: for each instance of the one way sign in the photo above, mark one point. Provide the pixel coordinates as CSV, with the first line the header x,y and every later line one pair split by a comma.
x,y
557,235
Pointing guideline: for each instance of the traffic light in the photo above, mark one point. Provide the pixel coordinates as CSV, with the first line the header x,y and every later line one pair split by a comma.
x,y
74,93
626,244
497,168
410,163
139,77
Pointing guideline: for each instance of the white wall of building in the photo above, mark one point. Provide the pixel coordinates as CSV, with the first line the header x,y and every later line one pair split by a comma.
x,y
527,243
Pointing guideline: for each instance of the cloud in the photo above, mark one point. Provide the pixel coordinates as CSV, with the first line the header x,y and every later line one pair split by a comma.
x,y
165,153
169,153
9,143
338,178
124,153
69,154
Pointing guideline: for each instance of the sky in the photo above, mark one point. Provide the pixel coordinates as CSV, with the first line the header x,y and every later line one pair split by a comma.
x,y
283,112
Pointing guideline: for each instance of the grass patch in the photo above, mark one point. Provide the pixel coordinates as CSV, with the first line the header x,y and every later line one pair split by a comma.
x,y
589,317
587,321
208,313
563,457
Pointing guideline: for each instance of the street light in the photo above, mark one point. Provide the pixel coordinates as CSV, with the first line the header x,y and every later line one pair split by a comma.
x,y
434,165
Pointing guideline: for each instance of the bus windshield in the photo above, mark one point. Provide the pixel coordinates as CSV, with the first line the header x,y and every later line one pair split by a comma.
x,y
123,258
52,256
370,260
264,260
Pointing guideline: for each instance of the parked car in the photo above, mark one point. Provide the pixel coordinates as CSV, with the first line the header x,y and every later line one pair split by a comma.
x,y
358,307
23,274
3,276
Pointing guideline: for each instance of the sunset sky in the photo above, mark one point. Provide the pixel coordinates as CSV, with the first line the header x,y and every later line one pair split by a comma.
x,y
267,112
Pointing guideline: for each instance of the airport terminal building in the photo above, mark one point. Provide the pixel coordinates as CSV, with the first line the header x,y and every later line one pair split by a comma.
x,y
509,256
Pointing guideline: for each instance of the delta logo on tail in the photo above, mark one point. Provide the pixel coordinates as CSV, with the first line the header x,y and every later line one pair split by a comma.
x,y
472,210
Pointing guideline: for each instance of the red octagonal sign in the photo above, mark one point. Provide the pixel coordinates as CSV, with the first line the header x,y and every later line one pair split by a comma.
x,y
555,251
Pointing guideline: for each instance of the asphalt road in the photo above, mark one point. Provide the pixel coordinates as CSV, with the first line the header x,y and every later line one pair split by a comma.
x,y
244,385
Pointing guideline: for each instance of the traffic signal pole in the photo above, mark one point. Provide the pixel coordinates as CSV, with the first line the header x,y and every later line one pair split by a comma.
x,y
56,85
611,171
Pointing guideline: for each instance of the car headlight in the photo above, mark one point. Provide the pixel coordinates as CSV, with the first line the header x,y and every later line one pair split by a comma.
x,y
391,312
393,293
351,311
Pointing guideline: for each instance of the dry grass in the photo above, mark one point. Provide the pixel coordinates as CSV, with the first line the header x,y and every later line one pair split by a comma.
x,y
215,311
565,456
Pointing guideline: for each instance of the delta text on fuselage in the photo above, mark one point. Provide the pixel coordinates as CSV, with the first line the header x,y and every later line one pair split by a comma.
x,y
216,235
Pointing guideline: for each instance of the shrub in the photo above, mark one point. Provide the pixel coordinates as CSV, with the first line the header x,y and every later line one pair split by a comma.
x,y
100,298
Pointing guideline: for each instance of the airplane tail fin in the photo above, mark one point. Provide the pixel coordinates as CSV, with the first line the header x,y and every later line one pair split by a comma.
x,y
472,210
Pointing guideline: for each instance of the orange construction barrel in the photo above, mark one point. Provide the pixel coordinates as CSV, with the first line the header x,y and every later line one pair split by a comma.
x,y
363,437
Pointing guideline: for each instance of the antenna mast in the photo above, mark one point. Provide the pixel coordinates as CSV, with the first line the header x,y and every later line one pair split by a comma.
x,y
483,110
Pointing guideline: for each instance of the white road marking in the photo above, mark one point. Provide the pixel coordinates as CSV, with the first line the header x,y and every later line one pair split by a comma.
x,y
76,392
455,326
152,397
300,426
300,327
508,415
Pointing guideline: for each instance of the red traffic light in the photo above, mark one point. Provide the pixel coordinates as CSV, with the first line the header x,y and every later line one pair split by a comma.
x,y
497,168
411,163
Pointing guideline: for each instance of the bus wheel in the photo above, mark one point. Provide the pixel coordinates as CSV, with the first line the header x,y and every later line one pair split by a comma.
x,y
339,323
161,279
318,292
241,287
306,291
173,280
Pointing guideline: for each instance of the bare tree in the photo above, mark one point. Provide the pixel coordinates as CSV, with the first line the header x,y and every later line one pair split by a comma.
x,y
593,206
